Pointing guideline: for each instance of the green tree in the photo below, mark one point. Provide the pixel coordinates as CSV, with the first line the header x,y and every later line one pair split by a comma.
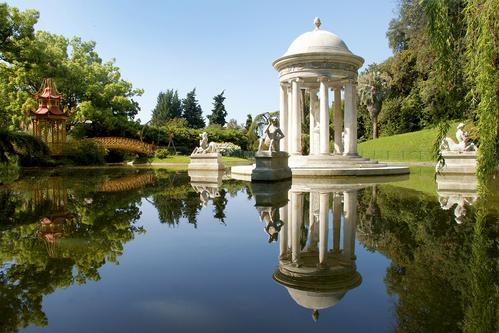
x,y
249,121
372,89
168,106
91,88
232,124
218,113
16,30
192,111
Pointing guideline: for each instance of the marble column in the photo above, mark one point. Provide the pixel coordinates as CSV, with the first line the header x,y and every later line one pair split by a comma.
x,y
350,225
350,120
324,116
290,117
337,210
338,121
295,136
314,121
283,234
283,115
296,222
323,226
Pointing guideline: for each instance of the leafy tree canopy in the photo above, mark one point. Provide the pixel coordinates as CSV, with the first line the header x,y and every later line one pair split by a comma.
x,y
93,89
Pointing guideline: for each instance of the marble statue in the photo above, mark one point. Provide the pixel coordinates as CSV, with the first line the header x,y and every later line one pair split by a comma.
x,y
463,142
273,225
272,134
204,146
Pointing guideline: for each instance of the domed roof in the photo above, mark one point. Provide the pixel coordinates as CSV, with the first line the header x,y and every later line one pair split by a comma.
x,y
315,300
317,41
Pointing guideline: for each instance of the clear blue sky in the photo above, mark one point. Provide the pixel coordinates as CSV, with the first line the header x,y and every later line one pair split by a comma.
x,y
211,45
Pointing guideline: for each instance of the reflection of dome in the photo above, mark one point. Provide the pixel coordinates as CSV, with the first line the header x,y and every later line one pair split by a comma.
x,y
317,41
315,300
317,287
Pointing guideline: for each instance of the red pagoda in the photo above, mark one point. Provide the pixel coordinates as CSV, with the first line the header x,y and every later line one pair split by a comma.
x,y
49,121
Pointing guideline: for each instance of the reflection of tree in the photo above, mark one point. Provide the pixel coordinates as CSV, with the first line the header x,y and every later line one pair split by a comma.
x,y
32,265
175,198
219,204
430,257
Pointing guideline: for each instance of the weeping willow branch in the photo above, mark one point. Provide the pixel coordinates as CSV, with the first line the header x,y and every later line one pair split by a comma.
x,y
482,72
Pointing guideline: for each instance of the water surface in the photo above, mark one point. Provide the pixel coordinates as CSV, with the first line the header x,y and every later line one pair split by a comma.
x,y
147,250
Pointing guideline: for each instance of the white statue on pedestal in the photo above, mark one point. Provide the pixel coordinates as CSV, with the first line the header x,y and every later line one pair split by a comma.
x,y
204,146
463,142
271,136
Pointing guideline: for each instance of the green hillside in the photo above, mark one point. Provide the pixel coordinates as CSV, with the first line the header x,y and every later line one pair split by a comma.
x,y
414,146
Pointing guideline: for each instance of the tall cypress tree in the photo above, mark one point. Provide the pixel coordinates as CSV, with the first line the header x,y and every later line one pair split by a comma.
x,y
249,121
168,106
218,113
192,111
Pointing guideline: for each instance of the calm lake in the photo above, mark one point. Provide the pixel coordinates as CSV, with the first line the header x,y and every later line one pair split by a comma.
x,y
150,250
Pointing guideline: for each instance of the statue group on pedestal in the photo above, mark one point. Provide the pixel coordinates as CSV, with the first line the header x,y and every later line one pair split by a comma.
x,y
271,135
204,146
463,141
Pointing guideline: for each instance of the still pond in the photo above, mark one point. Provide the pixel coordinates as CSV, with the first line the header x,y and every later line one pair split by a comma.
x,y
152,250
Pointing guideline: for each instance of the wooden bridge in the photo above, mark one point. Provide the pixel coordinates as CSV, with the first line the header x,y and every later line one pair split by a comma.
x,y
131,145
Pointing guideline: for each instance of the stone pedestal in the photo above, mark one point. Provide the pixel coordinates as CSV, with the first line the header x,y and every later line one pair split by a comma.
x,y
271,166
206,162
459,162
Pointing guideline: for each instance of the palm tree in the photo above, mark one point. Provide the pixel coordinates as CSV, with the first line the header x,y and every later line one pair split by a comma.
x,y
372,89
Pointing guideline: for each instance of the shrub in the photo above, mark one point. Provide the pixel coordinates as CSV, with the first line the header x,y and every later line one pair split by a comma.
x,y
162,153
229,149
85,152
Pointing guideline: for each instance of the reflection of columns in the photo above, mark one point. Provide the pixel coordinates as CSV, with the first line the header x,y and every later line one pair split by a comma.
x,y
296,222
314,119
313,221
350,203
290,214
350,120
338,121
337,209
295,136
323,226
283,114
283,234
324,116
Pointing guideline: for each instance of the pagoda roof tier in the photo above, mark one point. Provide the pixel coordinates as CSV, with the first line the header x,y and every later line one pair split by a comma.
x,y
48,93
44,110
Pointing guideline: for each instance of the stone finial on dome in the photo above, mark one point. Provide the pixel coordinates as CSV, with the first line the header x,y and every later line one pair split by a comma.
x,y
317,23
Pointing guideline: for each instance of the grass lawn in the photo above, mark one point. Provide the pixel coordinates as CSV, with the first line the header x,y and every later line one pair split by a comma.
x,y
414,146
184,159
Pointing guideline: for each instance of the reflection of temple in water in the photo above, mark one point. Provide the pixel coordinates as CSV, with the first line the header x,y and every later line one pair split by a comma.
x,y
318,273
316,226
54,205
